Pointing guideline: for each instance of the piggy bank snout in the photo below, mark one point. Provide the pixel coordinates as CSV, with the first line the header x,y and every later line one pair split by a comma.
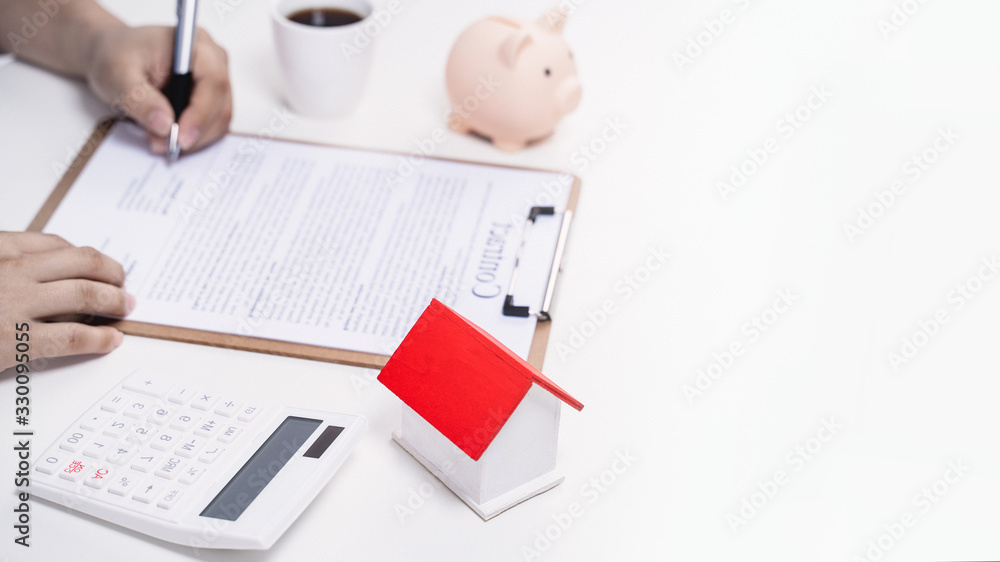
x,y
568,95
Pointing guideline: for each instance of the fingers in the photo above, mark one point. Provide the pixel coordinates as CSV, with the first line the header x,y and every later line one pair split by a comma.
x,y
14,243
143,102
59,339
207,116
80,296
154,114
74,263
42,276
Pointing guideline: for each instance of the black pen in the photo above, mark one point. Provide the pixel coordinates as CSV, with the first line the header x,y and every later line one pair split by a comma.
x,y
180,84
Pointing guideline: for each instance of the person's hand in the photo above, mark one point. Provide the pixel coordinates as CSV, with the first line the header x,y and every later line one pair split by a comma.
x,y
130,66
41,277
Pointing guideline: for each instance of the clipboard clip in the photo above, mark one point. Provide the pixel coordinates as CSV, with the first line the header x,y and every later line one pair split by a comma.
x,y
509,308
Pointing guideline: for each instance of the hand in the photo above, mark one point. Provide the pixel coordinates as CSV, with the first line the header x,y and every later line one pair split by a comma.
x,y
43,276
130,66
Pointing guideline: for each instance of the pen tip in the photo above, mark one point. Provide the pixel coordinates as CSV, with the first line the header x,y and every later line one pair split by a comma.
x,y
174,143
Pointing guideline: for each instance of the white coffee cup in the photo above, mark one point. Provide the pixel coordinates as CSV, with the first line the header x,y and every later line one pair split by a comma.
x,y
323,69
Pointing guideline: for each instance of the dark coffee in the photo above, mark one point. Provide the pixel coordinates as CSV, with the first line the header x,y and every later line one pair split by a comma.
x,y
324,17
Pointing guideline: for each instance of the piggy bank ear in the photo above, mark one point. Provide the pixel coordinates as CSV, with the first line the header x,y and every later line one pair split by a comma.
x,y
554,20
512,46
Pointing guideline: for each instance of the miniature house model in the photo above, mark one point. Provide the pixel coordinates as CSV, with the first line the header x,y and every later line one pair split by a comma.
x,y
476,415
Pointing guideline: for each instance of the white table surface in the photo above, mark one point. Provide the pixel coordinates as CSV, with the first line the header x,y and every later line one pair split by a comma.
x,y
824,358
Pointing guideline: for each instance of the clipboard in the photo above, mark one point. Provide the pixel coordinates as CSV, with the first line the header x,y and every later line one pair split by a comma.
x,y
536,354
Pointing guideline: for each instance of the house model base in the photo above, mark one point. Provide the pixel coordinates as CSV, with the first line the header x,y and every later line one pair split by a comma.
x,y
497,505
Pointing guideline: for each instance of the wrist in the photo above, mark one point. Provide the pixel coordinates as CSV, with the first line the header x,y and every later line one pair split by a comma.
x,y
100,26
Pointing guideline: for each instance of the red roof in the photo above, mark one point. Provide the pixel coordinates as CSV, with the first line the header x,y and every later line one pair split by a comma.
x,y
460,379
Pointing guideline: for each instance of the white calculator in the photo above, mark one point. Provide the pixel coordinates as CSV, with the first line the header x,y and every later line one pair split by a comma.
x,y
191,466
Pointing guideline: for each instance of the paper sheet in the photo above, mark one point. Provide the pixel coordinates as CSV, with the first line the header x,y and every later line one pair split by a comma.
x,y
312,244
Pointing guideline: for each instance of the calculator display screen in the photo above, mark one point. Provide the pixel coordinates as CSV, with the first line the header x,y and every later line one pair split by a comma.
x,y
262,467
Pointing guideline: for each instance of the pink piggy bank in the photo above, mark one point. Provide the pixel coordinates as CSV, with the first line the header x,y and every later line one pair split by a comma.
x,y
511,81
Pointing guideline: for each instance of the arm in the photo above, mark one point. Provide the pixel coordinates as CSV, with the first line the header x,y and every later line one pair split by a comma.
x,y
66,37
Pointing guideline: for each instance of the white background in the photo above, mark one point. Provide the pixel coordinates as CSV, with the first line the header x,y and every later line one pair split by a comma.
x,y
654,187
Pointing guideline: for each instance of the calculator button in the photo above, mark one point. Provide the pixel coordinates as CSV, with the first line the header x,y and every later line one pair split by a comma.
x,y
49,465
227,408
184,422
74,441
138,408
122,485
189,448
74,471
118,428
182,394
122,454
95,422
208,428
150,385
191,474
145,463
99,478
163,440
170,468
140,434
114,404
146,493
229,433
160,416
98,448
249,413
209,455
170,499
204,401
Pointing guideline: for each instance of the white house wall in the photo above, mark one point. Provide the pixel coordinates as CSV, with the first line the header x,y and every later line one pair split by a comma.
x,y
526,446
524,449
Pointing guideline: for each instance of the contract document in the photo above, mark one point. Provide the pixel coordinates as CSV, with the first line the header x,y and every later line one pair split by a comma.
x,y
310,244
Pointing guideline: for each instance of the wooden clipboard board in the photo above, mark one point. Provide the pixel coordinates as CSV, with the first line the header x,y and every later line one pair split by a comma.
x,y
536,355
